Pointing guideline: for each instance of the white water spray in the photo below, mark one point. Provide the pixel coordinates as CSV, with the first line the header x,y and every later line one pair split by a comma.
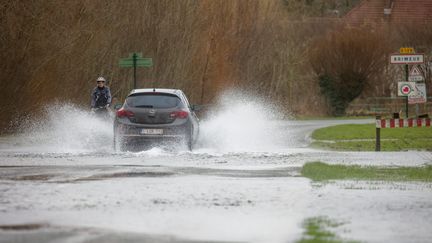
x,y
237,123
66,128
241,124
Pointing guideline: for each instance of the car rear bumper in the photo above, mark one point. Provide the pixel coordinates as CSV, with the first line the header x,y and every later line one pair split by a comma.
x,y
152,136
138,131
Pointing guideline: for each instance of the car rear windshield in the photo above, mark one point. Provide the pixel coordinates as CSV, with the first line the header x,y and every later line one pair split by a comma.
x,y
152,100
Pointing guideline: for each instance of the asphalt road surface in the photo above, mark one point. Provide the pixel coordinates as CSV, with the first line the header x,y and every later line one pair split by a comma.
x,y
61,182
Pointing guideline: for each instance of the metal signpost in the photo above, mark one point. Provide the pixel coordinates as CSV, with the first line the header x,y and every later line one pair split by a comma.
x,y
135,60
378,133
414,92
418,95
406,56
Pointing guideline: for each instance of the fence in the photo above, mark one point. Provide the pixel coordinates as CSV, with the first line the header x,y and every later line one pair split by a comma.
x,y
388,106
396,123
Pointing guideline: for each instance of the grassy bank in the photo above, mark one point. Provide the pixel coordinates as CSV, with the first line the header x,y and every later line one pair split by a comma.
x,y
319,171
361,137
306,118
318,230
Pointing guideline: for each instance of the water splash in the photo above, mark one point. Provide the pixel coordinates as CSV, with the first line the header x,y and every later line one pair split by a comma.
x,y
153,152
241,124
237,123
66,128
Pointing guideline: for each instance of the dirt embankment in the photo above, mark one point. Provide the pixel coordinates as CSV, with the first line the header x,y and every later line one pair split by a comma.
x,y
54,50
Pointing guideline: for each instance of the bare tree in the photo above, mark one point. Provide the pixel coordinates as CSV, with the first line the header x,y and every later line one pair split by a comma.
x,y
345,62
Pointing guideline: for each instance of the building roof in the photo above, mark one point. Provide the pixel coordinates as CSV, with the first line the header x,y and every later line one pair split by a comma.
x,y
399,11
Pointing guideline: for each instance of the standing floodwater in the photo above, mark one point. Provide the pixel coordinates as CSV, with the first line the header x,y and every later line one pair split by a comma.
x,y
61,181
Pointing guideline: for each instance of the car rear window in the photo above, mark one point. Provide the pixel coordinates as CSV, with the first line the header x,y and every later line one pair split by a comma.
x,y
152,100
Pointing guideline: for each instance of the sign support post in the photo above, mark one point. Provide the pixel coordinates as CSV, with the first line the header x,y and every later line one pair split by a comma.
x,y
134,57
377,134
406,56
135,60
406,98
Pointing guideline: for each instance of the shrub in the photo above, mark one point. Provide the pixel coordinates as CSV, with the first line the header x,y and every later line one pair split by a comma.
x,y
345,61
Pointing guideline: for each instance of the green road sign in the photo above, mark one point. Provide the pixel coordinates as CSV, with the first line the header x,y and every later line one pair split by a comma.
x,y
135,60
140,62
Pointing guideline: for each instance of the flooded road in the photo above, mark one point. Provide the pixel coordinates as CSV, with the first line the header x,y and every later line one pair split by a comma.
x,y
238,185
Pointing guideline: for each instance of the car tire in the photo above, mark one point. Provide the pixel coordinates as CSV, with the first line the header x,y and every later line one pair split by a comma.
x,y
189,144
119,143
189,140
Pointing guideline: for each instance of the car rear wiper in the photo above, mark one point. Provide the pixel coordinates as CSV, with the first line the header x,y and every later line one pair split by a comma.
x,y
144,106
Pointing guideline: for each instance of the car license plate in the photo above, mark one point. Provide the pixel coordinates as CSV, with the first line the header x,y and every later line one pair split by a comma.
x,y
152,131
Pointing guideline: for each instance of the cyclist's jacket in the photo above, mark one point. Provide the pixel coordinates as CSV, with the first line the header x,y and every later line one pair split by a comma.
x,y
100,97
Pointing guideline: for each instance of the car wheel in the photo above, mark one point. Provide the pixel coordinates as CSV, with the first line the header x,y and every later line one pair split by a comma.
x,y
189,141
119,143
189,144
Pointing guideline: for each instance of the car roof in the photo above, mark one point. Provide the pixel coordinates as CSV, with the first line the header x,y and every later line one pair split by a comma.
x,y
166,91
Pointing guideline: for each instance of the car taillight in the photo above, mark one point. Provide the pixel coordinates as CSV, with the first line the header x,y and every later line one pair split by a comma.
x,y
124,113
179,114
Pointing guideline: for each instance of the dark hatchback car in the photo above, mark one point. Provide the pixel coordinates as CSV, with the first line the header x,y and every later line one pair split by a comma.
x,y
151,116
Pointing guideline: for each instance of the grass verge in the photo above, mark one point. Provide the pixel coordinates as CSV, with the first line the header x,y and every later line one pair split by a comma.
x,y
361,137
306,118
319,171
317,230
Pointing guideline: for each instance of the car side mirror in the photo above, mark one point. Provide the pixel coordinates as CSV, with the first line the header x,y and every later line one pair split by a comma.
x,y
117,106
195,107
